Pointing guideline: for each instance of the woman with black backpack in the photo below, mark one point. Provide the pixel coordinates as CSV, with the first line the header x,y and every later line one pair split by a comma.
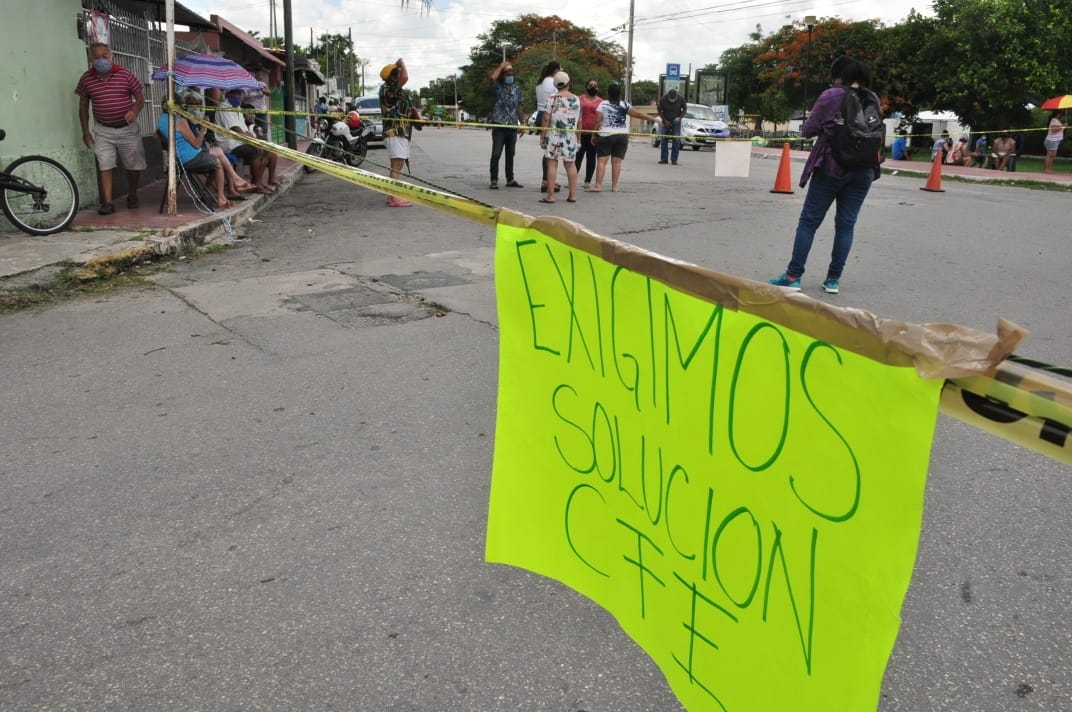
x,y
842,165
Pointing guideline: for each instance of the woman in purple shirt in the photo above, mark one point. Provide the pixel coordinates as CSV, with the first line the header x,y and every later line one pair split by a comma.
x,y
830,182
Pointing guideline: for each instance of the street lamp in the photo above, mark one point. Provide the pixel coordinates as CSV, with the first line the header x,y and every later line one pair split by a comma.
x,y
810,21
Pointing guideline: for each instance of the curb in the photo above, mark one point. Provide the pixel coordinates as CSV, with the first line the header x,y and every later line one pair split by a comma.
x,y
167,242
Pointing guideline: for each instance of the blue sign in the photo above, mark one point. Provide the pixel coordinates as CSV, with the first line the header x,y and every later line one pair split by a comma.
x,y
673,71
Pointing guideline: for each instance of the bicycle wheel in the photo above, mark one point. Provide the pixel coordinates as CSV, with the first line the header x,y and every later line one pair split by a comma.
x,y
44,199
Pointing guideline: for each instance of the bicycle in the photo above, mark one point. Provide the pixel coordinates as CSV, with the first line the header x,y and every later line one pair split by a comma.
x,y
37,194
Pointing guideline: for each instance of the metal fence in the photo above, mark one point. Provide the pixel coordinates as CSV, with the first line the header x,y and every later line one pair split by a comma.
x,y
138,41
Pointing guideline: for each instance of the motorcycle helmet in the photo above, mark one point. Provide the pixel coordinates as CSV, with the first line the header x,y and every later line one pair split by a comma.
x,y
353,120
340,129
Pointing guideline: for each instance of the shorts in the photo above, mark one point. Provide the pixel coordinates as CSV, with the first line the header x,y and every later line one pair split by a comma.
x,y
1051,144
124,144
397,147
614,145
247,153
203,162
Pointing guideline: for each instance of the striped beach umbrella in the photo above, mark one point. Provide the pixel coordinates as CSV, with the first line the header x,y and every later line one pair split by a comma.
x,y
209,71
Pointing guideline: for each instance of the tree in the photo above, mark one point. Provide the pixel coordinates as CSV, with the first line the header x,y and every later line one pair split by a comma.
x,y
530,42
986,59
645,92
982,59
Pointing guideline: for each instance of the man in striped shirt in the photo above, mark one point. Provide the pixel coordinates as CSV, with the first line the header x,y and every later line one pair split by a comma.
x,y
117,98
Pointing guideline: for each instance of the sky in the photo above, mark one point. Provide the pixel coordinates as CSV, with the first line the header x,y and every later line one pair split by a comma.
x,y
435,43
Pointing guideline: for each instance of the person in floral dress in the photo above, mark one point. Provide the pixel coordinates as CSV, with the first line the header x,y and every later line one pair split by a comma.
x,y
560,140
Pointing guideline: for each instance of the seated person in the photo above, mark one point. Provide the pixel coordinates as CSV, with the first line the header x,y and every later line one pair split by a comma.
x,y
255,129
959,155
980,155
1004,150
941,146
899,149
228,117
235,183
188,151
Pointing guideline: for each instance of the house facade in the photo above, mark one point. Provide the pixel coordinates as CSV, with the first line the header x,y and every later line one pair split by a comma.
x,y
42,61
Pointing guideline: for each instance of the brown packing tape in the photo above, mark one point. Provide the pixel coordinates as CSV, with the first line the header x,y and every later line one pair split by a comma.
x,y
975,358
934,350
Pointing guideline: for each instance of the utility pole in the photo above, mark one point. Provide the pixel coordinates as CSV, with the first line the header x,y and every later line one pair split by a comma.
x,y
273,28
288,88
628,93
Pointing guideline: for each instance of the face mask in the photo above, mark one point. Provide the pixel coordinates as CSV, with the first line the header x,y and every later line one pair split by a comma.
x,y
509,80
102,65
197,112
234,101
592,91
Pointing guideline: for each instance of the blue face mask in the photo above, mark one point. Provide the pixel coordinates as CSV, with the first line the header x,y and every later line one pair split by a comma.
x,y
102,65
509,80
235,101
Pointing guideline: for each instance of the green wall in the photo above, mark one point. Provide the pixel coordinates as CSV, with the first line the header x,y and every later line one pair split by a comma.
x,y
41,58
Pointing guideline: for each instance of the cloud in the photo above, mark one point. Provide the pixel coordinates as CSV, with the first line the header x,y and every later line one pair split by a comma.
x,y
436,42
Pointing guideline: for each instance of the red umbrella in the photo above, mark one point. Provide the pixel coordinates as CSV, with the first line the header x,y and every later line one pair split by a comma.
x,y
1058,102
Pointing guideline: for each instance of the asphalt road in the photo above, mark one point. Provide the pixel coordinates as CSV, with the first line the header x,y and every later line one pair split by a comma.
x,y
261,484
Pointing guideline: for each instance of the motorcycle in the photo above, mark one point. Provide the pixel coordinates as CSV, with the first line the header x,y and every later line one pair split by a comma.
x,y
345,142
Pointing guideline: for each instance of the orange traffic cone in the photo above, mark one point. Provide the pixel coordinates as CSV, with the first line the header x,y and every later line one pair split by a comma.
x,y
934,180
782,182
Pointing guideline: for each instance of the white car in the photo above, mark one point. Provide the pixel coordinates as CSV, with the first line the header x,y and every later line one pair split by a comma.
x,y
700,127
369,108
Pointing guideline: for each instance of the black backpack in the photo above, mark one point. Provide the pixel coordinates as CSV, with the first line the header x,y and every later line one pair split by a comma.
x,y
859,139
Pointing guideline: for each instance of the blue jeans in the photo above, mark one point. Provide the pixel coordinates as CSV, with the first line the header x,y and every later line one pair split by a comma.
x,y
500,139
849,192
674,130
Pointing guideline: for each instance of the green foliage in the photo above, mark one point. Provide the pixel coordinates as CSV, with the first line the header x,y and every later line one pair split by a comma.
x,y
982,59
644,92
530,42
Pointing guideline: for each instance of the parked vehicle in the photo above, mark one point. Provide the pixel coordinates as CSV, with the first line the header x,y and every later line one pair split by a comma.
x,y
369,108
343,141
700,127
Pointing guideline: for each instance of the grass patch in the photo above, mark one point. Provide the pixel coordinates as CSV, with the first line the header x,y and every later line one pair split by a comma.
x,y
72,282
99,277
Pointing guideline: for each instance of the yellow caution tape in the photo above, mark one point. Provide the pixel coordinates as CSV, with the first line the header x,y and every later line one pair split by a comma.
x,y
1019,404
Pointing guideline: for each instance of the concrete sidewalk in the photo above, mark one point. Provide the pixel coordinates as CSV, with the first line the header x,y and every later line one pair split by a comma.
x,y
28,262
923,168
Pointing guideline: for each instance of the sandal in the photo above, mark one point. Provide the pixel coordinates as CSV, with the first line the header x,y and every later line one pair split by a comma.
x,y
545,200
543,187
514,184
571,200
494,185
